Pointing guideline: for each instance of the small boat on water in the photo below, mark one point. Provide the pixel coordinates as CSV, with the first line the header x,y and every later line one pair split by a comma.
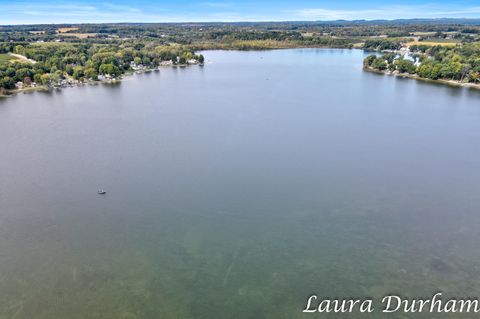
x,y
101,192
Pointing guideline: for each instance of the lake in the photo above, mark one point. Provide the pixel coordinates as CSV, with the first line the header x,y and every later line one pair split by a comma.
x,y
237,190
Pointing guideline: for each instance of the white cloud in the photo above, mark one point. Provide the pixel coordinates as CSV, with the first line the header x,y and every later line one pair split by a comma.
x,y
389,12
31,13
75,13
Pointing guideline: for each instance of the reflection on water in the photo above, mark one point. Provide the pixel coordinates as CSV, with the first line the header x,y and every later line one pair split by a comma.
x,y
237,190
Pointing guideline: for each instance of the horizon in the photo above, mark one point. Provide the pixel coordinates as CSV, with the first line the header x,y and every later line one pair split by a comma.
x,y
189,11
265,21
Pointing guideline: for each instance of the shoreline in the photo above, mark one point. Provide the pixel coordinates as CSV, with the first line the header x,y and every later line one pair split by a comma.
x,y
419,78
270,48
11,93
45,88
453,83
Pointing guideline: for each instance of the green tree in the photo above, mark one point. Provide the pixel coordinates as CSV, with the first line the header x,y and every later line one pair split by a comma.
x,y
45,79
20,49
7,83
369,60
379,64
20,74
69,69
78,72
109,69
91,73
37,78
405,66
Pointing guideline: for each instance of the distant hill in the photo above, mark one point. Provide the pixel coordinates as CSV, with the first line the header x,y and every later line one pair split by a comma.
x,y
406,21
440,21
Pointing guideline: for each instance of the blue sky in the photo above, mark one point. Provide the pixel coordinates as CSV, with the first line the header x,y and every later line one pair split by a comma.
x,y
78,11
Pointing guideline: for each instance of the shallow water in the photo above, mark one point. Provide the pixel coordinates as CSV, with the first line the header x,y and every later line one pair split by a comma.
x,y
236,190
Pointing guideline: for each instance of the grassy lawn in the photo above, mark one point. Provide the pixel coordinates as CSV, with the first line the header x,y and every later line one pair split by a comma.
x,y
80,35
432,43
5,58
65,30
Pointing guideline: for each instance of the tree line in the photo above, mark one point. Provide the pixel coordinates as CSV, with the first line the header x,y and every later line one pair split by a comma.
x,y
459,63
85,61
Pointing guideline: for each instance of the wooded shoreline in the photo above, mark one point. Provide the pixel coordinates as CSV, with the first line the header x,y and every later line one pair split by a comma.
x,y
11,93
416,77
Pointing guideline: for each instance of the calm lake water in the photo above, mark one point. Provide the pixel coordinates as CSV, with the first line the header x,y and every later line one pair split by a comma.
x,y
236,190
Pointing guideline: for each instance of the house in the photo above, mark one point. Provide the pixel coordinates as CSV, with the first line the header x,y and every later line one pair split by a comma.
x,y
137,67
